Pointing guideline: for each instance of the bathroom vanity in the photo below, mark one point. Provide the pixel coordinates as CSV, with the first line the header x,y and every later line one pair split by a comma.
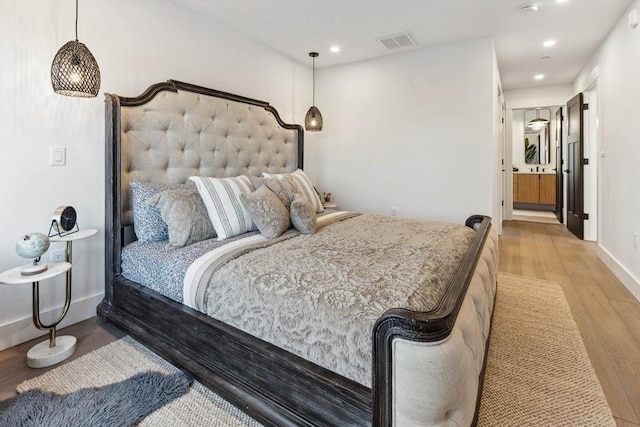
x,y
534,189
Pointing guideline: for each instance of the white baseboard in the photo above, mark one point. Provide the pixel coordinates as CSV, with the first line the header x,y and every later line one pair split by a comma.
x,y
21,330
627,278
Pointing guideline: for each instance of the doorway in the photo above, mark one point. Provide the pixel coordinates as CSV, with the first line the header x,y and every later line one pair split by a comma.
x,y
535,133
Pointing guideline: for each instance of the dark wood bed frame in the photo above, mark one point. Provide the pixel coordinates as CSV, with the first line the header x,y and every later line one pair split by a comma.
x,y
273,386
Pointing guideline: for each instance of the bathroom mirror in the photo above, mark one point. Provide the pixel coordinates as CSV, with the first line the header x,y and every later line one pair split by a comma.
x,y
536,136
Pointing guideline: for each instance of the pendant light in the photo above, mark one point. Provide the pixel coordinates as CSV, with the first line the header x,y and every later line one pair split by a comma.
x,y
74,71
537,123
313,119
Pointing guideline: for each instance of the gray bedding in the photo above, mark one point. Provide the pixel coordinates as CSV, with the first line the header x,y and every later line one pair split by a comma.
x,y
161,269
319,295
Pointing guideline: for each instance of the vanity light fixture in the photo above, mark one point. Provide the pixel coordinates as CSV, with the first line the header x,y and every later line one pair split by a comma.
x,y
537,123
74,71
313,119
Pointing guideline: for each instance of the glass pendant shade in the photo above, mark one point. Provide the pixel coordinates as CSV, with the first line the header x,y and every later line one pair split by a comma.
x,y
537,123
74,71
313,120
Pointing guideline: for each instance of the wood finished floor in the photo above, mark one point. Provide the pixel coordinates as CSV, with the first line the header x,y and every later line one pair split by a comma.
x,y
607,315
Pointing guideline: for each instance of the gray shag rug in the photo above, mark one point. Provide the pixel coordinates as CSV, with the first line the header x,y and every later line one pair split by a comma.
x,y
538,372
124,403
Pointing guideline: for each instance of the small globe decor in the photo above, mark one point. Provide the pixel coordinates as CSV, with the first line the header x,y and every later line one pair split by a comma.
x,y
33,245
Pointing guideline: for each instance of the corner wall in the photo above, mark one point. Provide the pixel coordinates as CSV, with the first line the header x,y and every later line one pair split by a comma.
x,y
136,43
413,131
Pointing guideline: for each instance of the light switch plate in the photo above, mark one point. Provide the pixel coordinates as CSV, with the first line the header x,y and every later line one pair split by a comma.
x,y
57,156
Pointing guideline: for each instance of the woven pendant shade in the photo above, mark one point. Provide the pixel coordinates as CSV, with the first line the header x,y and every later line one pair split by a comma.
x,y
313,120
75,72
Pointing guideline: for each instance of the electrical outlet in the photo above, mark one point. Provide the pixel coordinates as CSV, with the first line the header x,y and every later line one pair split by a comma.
x,y
58,255
394,211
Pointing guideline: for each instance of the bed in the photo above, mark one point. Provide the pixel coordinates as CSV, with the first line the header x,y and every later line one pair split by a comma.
x,y
421,354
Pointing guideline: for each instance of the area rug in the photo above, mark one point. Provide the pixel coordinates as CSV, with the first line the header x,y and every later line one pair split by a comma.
x,y
124,358
538,372
124,403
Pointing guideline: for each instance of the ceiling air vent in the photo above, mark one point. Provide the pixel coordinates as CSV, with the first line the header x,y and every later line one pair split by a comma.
x,y
395,41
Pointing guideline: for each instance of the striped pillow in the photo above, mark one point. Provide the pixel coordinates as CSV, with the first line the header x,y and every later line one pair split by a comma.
x,y
305,187
221,197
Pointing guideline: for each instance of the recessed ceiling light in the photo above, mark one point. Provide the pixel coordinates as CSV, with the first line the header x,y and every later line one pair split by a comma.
x,y
538,76
335,49
549,43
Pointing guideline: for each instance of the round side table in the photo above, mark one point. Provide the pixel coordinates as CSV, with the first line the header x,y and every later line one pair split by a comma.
x,y
55,349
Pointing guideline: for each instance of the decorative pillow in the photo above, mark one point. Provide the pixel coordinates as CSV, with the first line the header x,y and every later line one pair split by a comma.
x,y
147,221
220,196
303,216
185,215
284,188
303,186
267,211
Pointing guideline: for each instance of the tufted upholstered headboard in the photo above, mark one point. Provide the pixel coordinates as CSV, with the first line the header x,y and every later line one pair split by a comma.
x,y
175,130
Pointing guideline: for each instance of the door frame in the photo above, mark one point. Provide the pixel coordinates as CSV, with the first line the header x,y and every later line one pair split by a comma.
x,y
592,151
559,140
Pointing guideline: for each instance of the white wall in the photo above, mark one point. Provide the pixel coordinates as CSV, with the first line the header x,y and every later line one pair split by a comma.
x,y
413,131
538,96
616,67
136,43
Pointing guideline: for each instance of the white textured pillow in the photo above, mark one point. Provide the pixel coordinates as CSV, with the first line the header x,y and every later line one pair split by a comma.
x,y
303,217
305,187
267,211
185,215
147,221
221,197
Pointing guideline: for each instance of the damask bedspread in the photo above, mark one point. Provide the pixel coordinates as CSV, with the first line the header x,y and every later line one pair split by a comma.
x,y
318,296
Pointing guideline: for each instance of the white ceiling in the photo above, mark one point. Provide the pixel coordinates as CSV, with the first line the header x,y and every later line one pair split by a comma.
x,y
297,27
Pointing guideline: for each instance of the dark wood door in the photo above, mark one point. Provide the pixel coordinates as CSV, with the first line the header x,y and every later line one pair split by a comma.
x,y
575,186
558,169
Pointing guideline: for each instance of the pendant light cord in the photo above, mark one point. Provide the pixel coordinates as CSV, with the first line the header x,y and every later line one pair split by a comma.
x,y
76,20
314,82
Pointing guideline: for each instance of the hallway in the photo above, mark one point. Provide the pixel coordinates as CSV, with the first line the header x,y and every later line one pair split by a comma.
x,y
606,313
